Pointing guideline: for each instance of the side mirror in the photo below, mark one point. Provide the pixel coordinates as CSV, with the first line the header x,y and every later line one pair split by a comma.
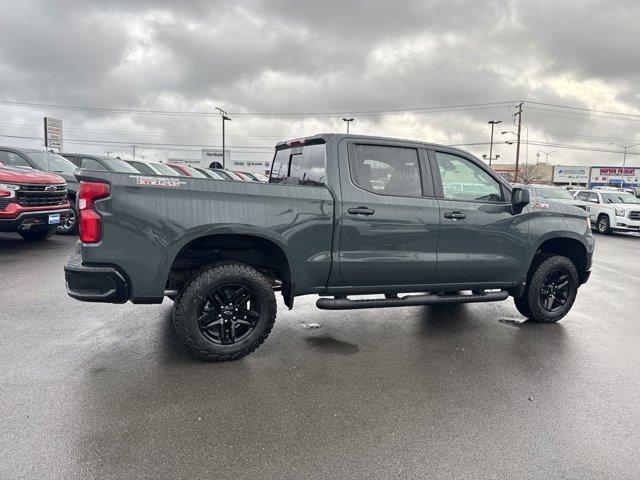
x,y
519,198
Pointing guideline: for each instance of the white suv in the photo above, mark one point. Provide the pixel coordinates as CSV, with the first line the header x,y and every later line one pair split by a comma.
x,y
612,210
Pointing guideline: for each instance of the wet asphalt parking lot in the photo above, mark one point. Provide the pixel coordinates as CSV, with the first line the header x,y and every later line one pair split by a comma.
x,y
106,391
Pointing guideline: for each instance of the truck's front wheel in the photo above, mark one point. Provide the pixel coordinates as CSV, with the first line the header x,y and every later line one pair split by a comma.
x,y
225,312
551,291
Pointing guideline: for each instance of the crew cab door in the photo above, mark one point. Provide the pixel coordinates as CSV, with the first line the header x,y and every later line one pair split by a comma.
x,y
389,218
481,239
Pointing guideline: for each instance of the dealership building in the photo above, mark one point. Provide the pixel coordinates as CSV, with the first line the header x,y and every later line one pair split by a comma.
x,y
212,158
578,175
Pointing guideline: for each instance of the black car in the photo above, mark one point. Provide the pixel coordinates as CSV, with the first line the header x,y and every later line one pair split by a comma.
x,y
99,163
47,162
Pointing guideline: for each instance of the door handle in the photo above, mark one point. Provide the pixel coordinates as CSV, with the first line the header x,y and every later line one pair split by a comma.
x,y
361,211
455,215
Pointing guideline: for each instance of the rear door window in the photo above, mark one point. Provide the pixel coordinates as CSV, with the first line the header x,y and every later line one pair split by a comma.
x,y
304,165
386,170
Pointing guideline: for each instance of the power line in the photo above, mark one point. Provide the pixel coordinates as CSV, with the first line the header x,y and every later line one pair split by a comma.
x,y
583,109
142,144
584,114
446,108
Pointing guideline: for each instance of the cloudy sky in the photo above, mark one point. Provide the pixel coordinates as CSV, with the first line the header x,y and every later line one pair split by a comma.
x,y
286,68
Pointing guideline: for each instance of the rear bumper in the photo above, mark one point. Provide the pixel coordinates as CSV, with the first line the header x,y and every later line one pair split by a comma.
x,y
33,220
94,283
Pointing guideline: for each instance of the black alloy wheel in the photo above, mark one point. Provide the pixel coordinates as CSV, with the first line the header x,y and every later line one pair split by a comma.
x,y
225,311
555,291
228,314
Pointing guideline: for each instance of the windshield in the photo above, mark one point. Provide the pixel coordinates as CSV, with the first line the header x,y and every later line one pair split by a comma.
x,y
164,169
51,162
608,197
193,172
224,175
552,193
119,166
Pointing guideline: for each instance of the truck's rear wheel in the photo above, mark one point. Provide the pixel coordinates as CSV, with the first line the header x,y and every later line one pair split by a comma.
x,y
551,290
225,312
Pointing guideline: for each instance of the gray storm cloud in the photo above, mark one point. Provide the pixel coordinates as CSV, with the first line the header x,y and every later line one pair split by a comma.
x,y
289,56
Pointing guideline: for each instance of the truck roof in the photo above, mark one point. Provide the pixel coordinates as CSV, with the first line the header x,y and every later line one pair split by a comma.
x,y
336,137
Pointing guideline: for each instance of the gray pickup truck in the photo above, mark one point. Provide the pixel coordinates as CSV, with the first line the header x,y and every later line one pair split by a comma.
x,y
408,223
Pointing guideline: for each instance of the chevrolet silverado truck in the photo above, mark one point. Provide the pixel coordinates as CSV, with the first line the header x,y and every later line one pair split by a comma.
x,y
32,203
401,223
47,162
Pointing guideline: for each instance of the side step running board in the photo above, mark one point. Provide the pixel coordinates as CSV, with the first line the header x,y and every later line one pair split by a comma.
x,y
408,300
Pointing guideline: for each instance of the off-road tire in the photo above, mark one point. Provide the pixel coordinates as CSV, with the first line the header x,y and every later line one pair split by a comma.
x,y
530,304
603,225
189,301
36,235
522,305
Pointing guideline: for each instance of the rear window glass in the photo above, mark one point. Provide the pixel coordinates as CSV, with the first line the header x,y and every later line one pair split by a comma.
x,y
300,166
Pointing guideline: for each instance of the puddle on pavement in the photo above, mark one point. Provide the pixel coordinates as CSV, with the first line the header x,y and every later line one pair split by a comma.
x,y
327,343
310,326
513,321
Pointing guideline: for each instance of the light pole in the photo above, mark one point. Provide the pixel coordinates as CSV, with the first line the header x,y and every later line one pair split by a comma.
x,y
134,151
224,117
624,159
347,121
546,154
493,123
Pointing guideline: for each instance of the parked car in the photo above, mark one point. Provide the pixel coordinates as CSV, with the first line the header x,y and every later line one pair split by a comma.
x,y
220,250
186,171
635,191
227,174
47,162
255,177
32,203
612,210
153,168
209,173
99,163
244,177
558,194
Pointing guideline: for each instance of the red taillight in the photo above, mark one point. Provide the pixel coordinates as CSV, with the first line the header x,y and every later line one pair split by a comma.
x,y
90,222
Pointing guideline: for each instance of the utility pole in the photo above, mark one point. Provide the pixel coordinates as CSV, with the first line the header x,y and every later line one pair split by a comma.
x,y
348,121
493,123
224,117
134,150
519,115
624,159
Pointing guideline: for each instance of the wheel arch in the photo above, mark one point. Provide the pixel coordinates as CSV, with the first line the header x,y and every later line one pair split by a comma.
x,y
567,244
255,248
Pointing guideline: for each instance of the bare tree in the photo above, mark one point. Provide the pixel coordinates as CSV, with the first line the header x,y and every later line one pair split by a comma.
x,y
530,174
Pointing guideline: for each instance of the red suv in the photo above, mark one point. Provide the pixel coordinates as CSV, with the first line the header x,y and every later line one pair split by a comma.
x,y
32,203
